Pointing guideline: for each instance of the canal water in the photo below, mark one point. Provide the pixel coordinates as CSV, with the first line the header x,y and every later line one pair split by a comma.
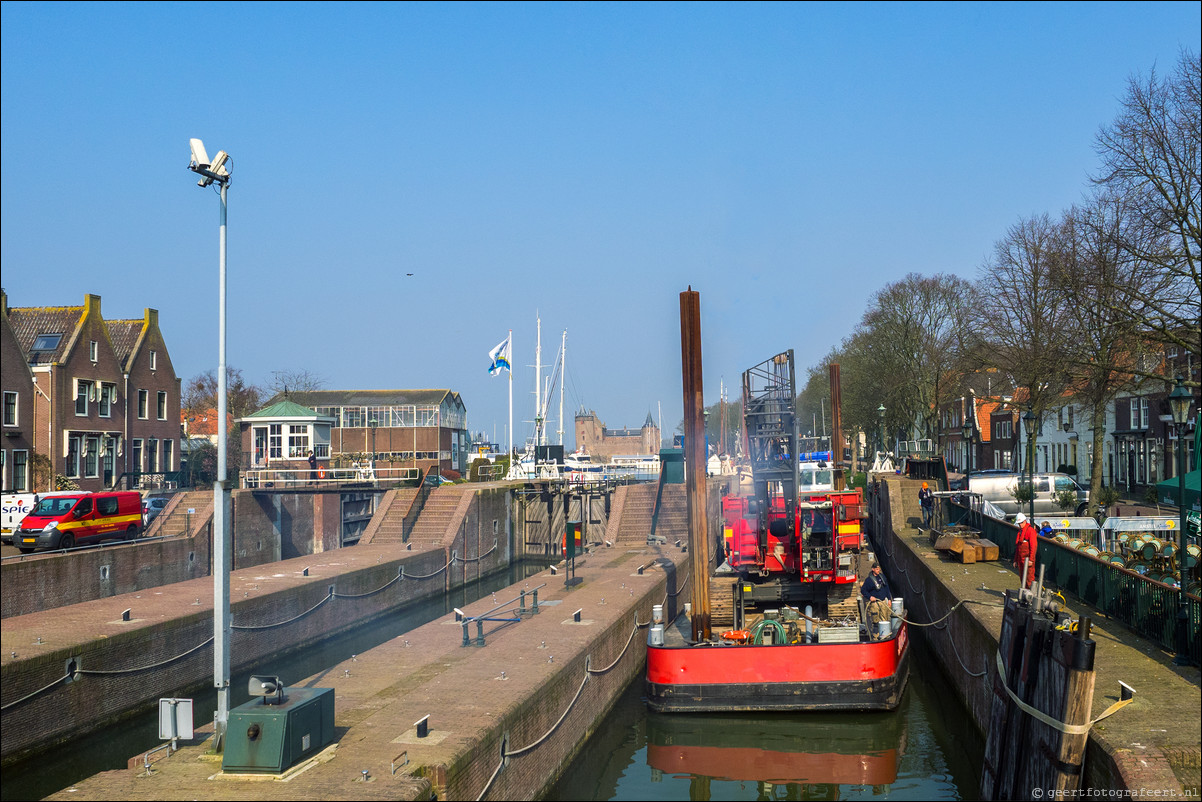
x,y
111,748
925,750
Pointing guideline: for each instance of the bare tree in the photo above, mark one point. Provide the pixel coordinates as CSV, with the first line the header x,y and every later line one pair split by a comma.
x,y
1024,315
200,393
1151,159
294,381
918,328
1104,351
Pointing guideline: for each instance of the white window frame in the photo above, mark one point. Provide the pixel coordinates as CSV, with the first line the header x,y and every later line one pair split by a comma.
x,y
93,350
108,394
74,456
135,454
160,405
81,394
15,397
91,456
152,455
20,480
275,441
298,441
154,359
168,455
143,404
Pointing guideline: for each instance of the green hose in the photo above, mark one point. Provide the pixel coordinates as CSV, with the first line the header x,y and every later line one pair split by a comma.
x,y
757,632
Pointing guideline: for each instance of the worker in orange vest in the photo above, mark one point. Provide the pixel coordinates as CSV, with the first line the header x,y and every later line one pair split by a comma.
x,y
1024,548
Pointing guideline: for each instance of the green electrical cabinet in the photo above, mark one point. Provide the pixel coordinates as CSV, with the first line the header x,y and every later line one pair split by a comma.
x,y
269,736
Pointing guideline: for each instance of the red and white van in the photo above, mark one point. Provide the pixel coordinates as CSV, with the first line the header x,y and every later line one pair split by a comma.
x,y
64,521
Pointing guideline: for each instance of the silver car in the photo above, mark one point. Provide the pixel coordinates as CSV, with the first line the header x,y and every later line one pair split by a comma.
x,y
999,488
151,508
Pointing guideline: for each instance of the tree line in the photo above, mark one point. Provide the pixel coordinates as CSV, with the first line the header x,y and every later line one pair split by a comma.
x,y
1075,307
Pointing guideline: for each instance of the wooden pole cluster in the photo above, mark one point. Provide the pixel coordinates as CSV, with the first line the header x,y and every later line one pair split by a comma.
x,y
695,458
1051,671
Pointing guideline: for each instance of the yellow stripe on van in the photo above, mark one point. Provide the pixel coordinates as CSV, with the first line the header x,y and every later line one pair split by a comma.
x,y
112,520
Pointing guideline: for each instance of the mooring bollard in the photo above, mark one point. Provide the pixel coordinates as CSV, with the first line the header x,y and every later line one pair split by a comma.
x,y
479,632
466,640
522,604
534,609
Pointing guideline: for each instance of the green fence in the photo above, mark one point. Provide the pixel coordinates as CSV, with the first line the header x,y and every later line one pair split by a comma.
x,y
1146,606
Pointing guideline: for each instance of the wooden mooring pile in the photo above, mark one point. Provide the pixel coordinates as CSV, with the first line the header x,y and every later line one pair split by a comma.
x,y
1042,697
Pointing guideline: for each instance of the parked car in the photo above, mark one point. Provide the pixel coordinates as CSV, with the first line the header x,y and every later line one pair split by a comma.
x,y
152,506
16,506
999,488
63,521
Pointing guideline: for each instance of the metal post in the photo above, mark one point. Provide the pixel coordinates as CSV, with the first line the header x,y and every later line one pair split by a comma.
x,y
1182,658
534,608
479,632
221,535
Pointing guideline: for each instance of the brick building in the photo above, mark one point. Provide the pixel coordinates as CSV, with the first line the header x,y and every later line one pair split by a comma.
x,y
600,442
98,398
404,428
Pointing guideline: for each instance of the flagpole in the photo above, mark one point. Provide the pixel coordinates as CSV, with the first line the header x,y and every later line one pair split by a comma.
x,y
511,399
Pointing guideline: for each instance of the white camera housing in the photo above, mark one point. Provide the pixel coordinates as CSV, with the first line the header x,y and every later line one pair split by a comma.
x,y
200,157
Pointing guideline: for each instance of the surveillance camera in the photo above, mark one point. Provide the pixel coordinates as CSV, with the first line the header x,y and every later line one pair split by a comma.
x,y
200,158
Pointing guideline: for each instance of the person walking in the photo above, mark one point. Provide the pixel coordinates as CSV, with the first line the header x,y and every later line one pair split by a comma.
x,y
1024,549
312,466
927,499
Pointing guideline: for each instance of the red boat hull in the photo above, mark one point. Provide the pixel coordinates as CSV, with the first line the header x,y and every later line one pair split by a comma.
x,y
830,676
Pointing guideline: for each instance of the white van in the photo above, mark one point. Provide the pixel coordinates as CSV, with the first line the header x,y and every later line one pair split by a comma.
x,y
998,489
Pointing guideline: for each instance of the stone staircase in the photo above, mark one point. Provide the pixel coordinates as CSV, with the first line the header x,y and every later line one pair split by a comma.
x,y
637,505
175,520
388,525
444,510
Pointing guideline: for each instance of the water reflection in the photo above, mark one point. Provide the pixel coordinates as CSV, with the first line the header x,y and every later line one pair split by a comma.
x,y
920,751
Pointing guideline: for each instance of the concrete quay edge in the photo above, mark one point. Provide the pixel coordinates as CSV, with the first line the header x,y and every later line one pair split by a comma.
x,y
1154,743
473,709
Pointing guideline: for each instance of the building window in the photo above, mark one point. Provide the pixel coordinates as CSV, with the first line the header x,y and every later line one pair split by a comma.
x,y
46,342
275,441
108,459
142,401
161,405
20,471
135,455
298,441
81,397
93,351
73,447
108,392
152,455
154,360
91,462
168,446
10,408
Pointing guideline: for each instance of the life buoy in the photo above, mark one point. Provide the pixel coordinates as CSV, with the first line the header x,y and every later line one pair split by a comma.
x,y
321,473
736,635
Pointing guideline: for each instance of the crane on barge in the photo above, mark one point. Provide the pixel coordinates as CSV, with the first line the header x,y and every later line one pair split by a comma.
x,y
789,538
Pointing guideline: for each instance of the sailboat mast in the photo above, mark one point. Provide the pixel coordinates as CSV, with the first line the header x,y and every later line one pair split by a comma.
x,y
563,368
538,385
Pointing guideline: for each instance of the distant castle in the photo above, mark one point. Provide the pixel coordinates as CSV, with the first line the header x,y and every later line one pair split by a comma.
x,y
602,443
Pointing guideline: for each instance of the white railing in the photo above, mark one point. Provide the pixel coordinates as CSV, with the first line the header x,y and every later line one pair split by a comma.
x,y
325,477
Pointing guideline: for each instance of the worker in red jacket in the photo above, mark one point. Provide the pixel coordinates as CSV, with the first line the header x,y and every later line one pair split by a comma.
x,y
1024,548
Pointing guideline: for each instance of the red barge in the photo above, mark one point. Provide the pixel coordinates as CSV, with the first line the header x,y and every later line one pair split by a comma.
x,y
800,636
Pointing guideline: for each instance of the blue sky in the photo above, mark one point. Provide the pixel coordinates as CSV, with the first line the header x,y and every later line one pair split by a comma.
x,y
582,162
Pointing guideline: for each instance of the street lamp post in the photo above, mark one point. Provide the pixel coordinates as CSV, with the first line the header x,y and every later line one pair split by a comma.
x,y
1179,401
966,433
1029,421
880,411
210,172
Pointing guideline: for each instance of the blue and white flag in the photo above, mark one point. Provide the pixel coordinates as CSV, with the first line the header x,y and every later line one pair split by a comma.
x,y
499,357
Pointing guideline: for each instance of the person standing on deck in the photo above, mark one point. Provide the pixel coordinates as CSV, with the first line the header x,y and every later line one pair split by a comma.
x,y
927,500
1024,549
876,593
